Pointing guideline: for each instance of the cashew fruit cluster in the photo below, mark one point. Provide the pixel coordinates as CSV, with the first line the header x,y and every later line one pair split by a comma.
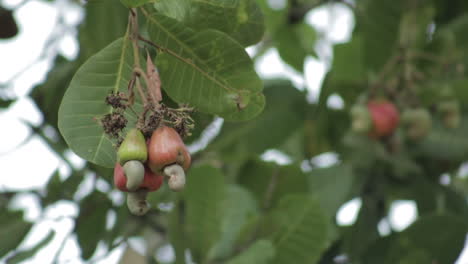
x,y
378,118
142,165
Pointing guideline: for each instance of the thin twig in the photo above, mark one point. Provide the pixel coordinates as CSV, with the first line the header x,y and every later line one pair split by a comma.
x,y
141,93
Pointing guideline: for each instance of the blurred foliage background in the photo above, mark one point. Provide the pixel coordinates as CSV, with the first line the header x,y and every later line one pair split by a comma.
x,y
237,207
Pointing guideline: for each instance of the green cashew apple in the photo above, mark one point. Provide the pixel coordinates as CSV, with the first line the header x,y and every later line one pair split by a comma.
x,y
133,147
450,111
417,123
361,121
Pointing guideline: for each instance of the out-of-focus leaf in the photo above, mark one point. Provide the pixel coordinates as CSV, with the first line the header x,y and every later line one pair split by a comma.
x,y
443,144
240,19
105,22
449,230
13,231
348,61
135,3
206,69
90,226
84,102
177,235
300,230
26,254
204,196
261,252
56,189
240,206
51,91
379,28
5,103
269,182
294,43
331,186
364,232
414,24
438,238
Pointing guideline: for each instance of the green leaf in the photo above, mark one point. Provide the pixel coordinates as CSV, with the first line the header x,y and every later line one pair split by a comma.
x,y
177,235
240,206
105,22
449,230
331,186
444,144
5,103
204,196
284,113
415,244
90,226
61,190
26,254
269,182
207,69
364,232
135,3
83,104
261,252
301,235
348,61
379,22
240,19
13,231
294,43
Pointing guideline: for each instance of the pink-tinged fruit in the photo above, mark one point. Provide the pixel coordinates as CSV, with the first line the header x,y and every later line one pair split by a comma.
x,y
385,118
151,181
165,148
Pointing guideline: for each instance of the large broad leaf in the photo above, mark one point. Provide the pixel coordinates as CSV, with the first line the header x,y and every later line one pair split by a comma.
x,y
301,235
261,252
241,19
240,206
207,69
331,186
83,104
204,197
294,43
284,113
379,22
90,226
442,244
13,230
269,183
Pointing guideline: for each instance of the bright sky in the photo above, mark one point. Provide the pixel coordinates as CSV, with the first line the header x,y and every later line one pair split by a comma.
x,y
37,21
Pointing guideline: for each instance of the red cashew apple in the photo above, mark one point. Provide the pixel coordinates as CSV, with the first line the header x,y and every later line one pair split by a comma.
x,y
151,181
166,148
385,117
168,155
